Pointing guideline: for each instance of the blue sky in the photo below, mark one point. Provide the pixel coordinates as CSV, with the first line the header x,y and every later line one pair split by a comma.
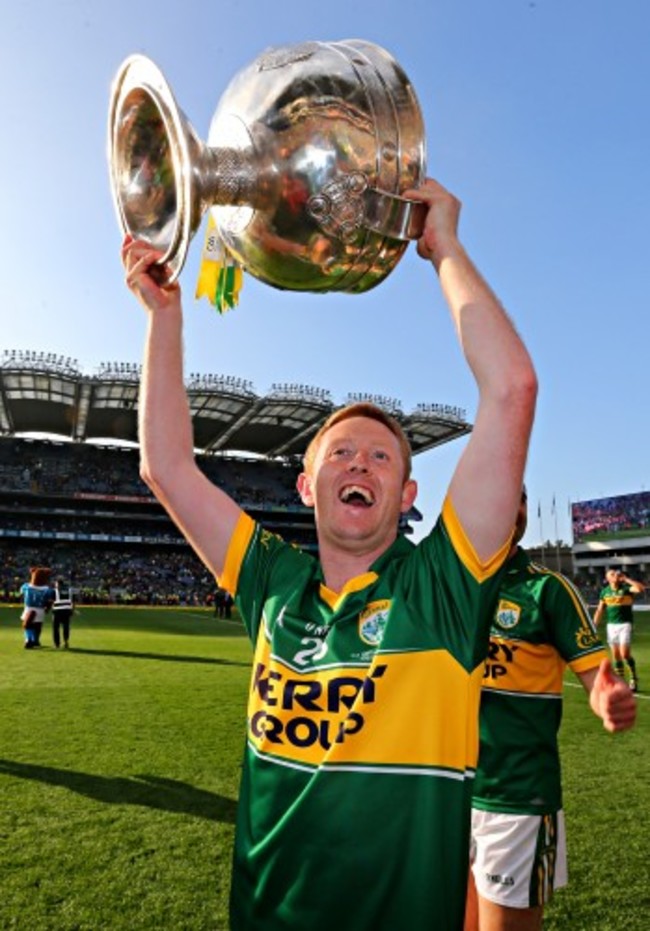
x,y
537,118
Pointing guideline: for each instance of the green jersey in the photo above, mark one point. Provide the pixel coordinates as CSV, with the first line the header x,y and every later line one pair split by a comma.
x,y
618,604
362,733
539,626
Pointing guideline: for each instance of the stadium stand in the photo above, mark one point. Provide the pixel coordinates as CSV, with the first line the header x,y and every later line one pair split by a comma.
x,y
84,510
612,531
75,501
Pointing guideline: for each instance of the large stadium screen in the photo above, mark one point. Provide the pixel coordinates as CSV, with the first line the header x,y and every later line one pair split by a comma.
x,y
611,518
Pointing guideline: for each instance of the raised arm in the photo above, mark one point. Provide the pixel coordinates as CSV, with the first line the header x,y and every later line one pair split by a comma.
x,y
486,486
637,588
204,514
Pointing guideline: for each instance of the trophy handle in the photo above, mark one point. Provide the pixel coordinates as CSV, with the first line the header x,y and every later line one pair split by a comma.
x,y
394,216
348,204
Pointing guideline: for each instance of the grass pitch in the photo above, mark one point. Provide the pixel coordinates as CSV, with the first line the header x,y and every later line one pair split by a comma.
x,y
119,773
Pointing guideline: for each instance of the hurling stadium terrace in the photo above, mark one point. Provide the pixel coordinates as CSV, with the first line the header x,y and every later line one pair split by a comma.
x,y
70,492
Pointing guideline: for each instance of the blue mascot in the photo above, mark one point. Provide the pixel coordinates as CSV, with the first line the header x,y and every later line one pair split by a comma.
x,y
38,596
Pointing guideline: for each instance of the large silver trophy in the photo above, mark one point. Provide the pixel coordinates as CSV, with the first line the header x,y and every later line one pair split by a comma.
x,y
308,153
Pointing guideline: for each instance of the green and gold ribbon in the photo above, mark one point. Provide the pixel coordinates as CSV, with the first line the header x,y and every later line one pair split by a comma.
x,y
220,274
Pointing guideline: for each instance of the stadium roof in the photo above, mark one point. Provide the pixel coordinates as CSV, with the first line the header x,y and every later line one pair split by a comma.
x,y
42,392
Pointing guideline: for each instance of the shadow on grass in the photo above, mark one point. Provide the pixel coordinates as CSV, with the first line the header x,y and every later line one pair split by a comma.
x,y
146,790
166,657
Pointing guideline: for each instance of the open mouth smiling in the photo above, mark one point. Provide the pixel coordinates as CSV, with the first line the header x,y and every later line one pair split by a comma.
x,y
357,495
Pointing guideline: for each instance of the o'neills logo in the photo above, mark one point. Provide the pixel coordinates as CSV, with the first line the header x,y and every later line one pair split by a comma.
x,y
372,622
299,716
586,638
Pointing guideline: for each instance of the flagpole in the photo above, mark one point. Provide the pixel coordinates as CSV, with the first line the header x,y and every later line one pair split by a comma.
x,y
557,536
541,529
571,541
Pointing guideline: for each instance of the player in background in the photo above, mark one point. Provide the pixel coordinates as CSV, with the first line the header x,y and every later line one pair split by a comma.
x,y
616,604
362,719
518,847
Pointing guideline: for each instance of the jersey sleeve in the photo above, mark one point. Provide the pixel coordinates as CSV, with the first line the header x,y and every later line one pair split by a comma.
x,y
463,588
571,628
260,566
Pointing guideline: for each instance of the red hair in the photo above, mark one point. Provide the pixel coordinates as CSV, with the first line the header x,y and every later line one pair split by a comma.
x,y
360,409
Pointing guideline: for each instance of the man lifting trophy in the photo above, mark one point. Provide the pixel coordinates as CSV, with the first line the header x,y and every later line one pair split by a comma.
x,y
362,723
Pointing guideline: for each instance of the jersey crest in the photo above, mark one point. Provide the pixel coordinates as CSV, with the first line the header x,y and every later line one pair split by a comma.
x,y
508,614
373,620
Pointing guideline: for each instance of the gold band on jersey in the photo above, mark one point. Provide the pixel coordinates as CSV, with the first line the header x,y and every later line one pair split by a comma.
x,y
239,541
461,543
328,717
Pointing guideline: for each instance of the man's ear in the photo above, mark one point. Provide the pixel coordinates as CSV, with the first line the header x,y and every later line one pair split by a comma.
x,y
409,494
303,484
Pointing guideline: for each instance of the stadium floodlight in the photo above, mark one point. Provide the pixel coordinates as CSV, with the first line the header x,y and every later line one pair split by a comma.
x,y
442,411
391,405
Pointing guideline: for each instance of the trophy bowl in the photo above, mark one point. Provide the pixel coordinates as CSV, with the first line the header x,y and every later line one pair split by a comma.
x,y
308,154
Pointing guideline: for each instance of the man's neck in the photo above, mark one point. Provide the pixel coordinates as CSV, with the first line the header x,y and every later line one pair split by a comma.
x,y
339,566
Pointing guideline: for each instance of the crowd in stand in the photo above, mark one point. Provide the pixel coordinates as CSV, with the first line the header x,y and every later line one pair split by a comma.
x,y
111,576
617,515
70,469
41,483
162,570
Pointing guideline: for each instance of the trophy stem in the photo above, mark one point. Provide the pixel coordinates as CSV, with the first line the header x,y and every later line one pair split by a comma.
x,y
226,177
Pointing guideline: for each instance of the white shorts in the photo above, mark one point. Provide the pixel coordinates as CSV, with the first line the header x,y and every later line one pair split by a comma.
x,y
619,634
518,860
